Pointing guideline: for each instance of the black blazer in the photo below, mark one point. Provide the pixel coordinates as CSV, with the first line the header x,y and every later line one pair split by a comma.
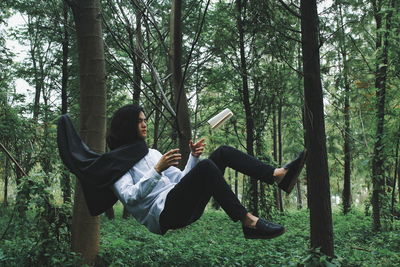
x,y
96,172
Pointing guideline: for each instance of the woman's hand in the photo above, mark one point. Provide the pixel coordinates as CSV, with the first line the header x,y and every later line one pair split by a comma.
x,y
197,148
171,158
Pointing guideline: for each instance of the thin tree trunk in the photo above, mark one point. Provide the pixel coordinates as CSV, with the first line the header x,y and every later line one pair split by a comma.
x,y
244,91
138,61
347,154
298,193
65,177
277,195
6,174
157,118
87,16
300,77
38,88
346,194
280,156
65,53
378,172
236,184
262,201
317,163
179,93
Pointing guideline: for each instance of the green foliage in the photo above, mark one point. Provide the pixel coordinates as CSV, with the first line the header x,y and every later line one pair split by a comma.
x,y
42,237
317,258
216,241
213,240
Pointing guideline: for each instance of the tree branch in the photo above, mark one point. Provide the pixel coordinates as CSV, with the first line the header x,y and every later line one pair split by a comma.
x,y
291,11
12,159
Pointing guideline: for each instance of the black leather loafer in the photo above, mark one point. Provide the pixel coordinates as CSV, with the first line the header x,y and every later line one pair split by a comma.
x,y
263,230
294,168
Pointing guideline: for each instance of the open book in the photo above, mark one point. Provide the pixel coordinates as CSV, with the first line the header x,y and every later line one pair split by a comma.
x,y
220,118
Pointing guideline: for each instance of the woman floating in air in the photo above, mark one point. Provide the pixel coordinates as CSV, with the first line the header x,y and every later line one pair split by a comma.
x,y
151,187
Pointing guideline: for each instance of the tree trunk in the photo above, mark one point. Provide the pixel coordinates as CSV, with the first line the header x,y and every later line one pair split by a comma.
x,y
38,88
262,201
300,77
347,153
378,172
317,163
180,99
346,194
65,53
65,177
157,118
280,156
138,61
236,184
6,174
298,192
87,16
277,195
244,91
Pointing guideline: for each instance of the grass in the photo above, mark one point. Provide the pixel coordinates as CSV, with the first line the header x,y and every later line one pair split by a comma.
x,y
214,240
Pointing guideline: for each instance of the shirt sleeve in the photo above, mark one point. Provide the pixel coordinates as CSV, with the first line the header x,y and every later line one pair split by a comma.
x,y
192,161
175,175
128,192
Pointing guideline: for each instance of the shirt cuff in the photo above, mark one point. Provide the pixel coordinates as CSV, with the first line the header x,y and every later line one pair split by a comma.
x,y
192,161
154,174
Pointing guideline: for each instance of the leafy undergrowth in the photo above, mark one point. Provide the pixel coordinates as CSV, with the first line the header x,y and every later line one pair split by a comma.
x,y
214,240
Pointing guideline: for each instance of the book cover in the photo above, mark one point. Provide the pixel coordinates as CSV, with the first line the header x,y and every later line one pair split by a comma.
x,y
219,119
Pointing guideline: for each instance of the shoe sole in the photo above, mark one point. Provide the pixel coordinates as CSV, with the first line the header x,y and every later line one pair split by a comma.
x,y
296,175
266,237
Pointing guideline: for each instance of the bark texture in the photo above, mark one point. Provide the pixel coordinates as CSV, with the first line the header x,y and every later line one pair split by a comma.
x,y
317,163
382,44
65,178
346,194
87,16
180,99
245,96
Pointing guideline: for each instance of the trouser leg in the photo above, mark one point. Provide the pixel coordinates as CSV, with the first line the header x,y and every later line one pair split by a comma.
x,y
186,202
226,156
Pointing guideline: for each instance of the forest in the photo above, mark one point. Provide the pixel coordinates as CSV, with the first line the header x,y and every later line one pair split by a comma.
x,y
321,75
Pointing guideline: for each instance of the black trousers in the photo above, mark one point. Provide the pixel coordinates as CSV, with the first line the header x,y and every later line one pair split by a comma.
x,y
186,202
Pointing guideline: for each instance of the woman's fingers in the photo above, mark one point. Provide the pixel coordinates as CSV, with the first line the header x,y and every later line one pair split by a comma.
x,y
172,151
200,141
172,157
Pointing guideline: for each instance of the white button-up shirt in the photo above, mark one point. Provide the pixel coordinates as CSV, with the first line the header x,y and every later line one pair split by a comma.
x,y
143,190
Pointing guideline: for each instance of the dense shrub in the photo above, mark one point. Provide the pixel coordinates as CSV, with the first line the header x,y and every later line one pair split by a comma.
x,y
40,235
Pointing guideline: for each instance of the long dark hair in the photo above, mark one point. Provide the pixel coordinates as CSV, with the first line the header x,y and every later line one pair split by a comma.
x,y
124,125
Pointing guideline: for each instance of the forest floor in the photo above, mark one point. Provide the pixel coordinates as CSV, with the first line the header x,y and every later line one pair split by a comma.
x,y
215,240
